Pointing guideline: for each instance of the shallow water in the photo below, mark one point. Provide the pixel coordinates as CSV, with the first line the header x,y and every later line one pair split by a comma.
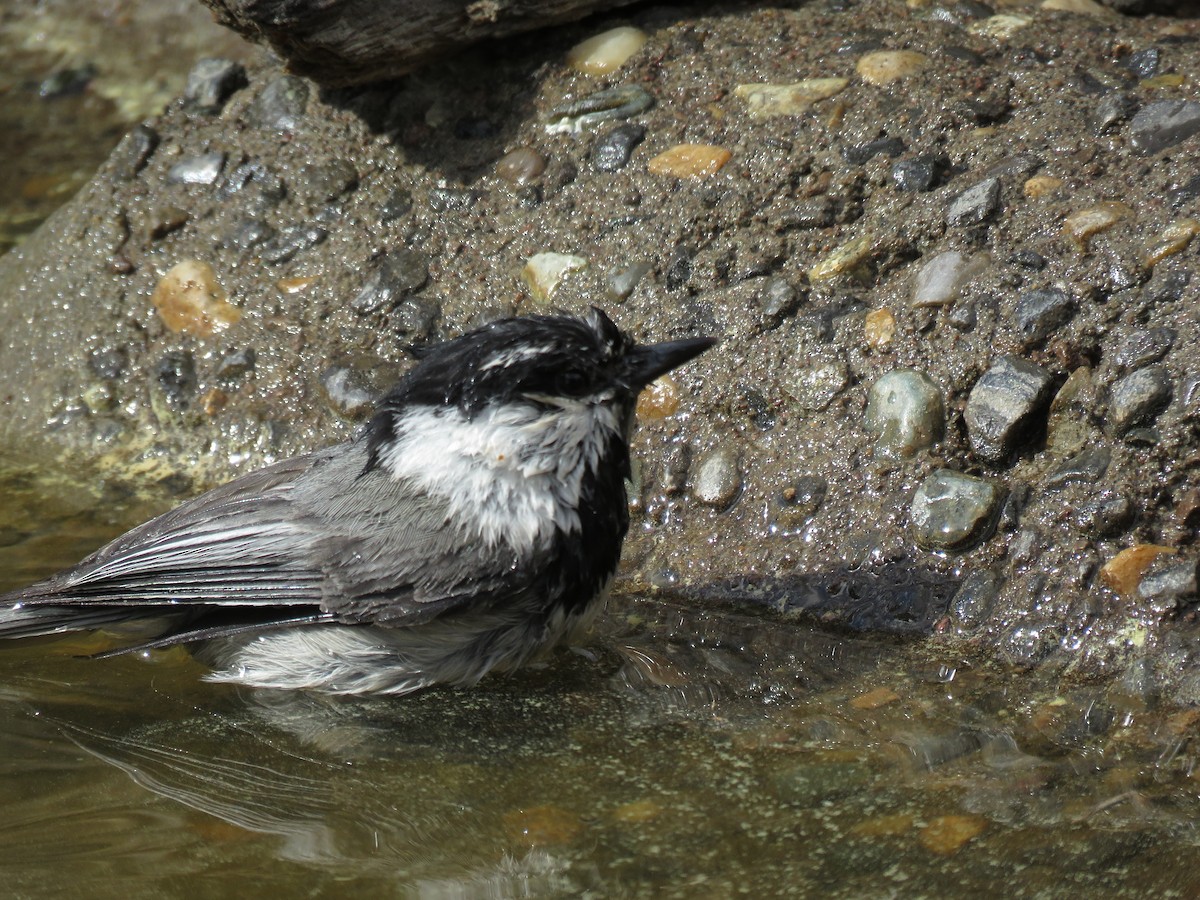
x,y
682,753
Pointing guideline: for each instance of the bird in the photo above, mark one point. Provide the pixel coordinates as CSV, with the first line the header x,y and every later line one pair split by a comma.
x,y
471,524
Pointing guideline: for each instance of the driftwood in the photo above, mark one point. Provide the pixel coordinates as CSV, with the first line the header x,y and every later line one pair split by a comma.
x,y
347,42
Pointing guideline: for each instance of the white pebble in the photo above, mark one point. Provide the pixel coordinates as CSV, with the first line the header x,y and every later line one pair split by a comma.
x,y
940,280
606,52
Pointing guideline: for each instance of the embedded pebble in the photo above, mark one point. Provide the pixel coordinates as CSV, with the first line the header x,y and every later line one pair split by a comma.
x,y
999,27
799,502
1112,110
921,173
906,412
271,189
320,182
398,204
951,511
975,597
963,316
690,161
1176,584
1082,225
237,363
250,233
398,274
1081,7
520,166
544,272
1138,398
1143,347
415,318
941,279
1041,186
295,285
446,199
292,240
778,298
659,399
1160,125
718,478
135,148
213,81
766,100
1042,312
1106,516
613,149
884,67
1003,406
814,387
347,391
1123,573
1173,239
602,106
281,104
606,52
175,375
1085,467
190,300
1143,63
621,281
976,204
879,329
204,169
845,260
861,154
947,834
164,220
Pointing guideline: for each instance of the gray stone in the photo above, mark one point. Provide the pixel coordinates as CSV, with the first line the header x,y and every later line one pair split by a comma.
x,y
1138,398
921,173
176,377
1143,63
292,240
613,149
779,299
621,280
974,205
906,412
133,151
213,81
203,169
281,104
816,212
448,199
324,181
396,275
1042,312
952,511
1004,405
250,233
814,387
1112,110
237,363
1106,516
718,478
1143,347
398,203
1086,467
347,391
415,318
975,597
1175,584
1164,124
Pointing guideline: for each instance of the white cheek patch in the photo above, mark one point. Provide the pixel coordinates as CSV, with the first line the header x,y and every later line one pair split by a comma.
x,y
515,471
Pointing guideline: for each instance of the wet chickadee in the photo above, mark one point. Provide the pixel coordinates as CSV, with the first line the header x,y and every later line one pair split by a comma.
x,y
475,521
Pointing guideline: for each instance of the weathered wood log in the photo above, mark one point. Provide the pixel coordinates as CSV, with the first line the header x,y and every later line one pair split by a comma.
x,y
347,42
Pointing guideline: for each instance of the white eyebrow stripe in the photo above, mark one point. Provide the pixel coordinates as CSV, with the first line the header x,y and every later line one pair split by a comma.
x,y
516,355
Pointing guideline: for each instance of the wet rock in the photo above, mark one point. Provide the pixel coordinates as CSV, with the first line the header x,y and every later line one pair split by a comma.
x,y
290,241
1176,585
963,316
1085,467
1138,398
976,204
676,464
190,300
269,186
213,81
1143,63
764,101
800,501
1106,516
448,199
718,478
67,82
952,511
941,279
544,272
814,387
883,67
1028,259
861,154
1164,124
1082,225
1143,347
1004,405
613,149
1124,572
906,412
347,391
398,204
779,299
280,105
602,106
679,269
250,233
689,161
1111,111
237,363
621,281
203,169
520,166
164,220
324,181
919,174
816,212
1042,312
396,275
175,375
135,148
975,597
606,52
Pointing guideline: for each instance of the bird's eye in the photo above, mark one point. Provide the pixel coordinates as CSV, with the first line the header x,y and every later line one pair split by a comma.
x,y
571,383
